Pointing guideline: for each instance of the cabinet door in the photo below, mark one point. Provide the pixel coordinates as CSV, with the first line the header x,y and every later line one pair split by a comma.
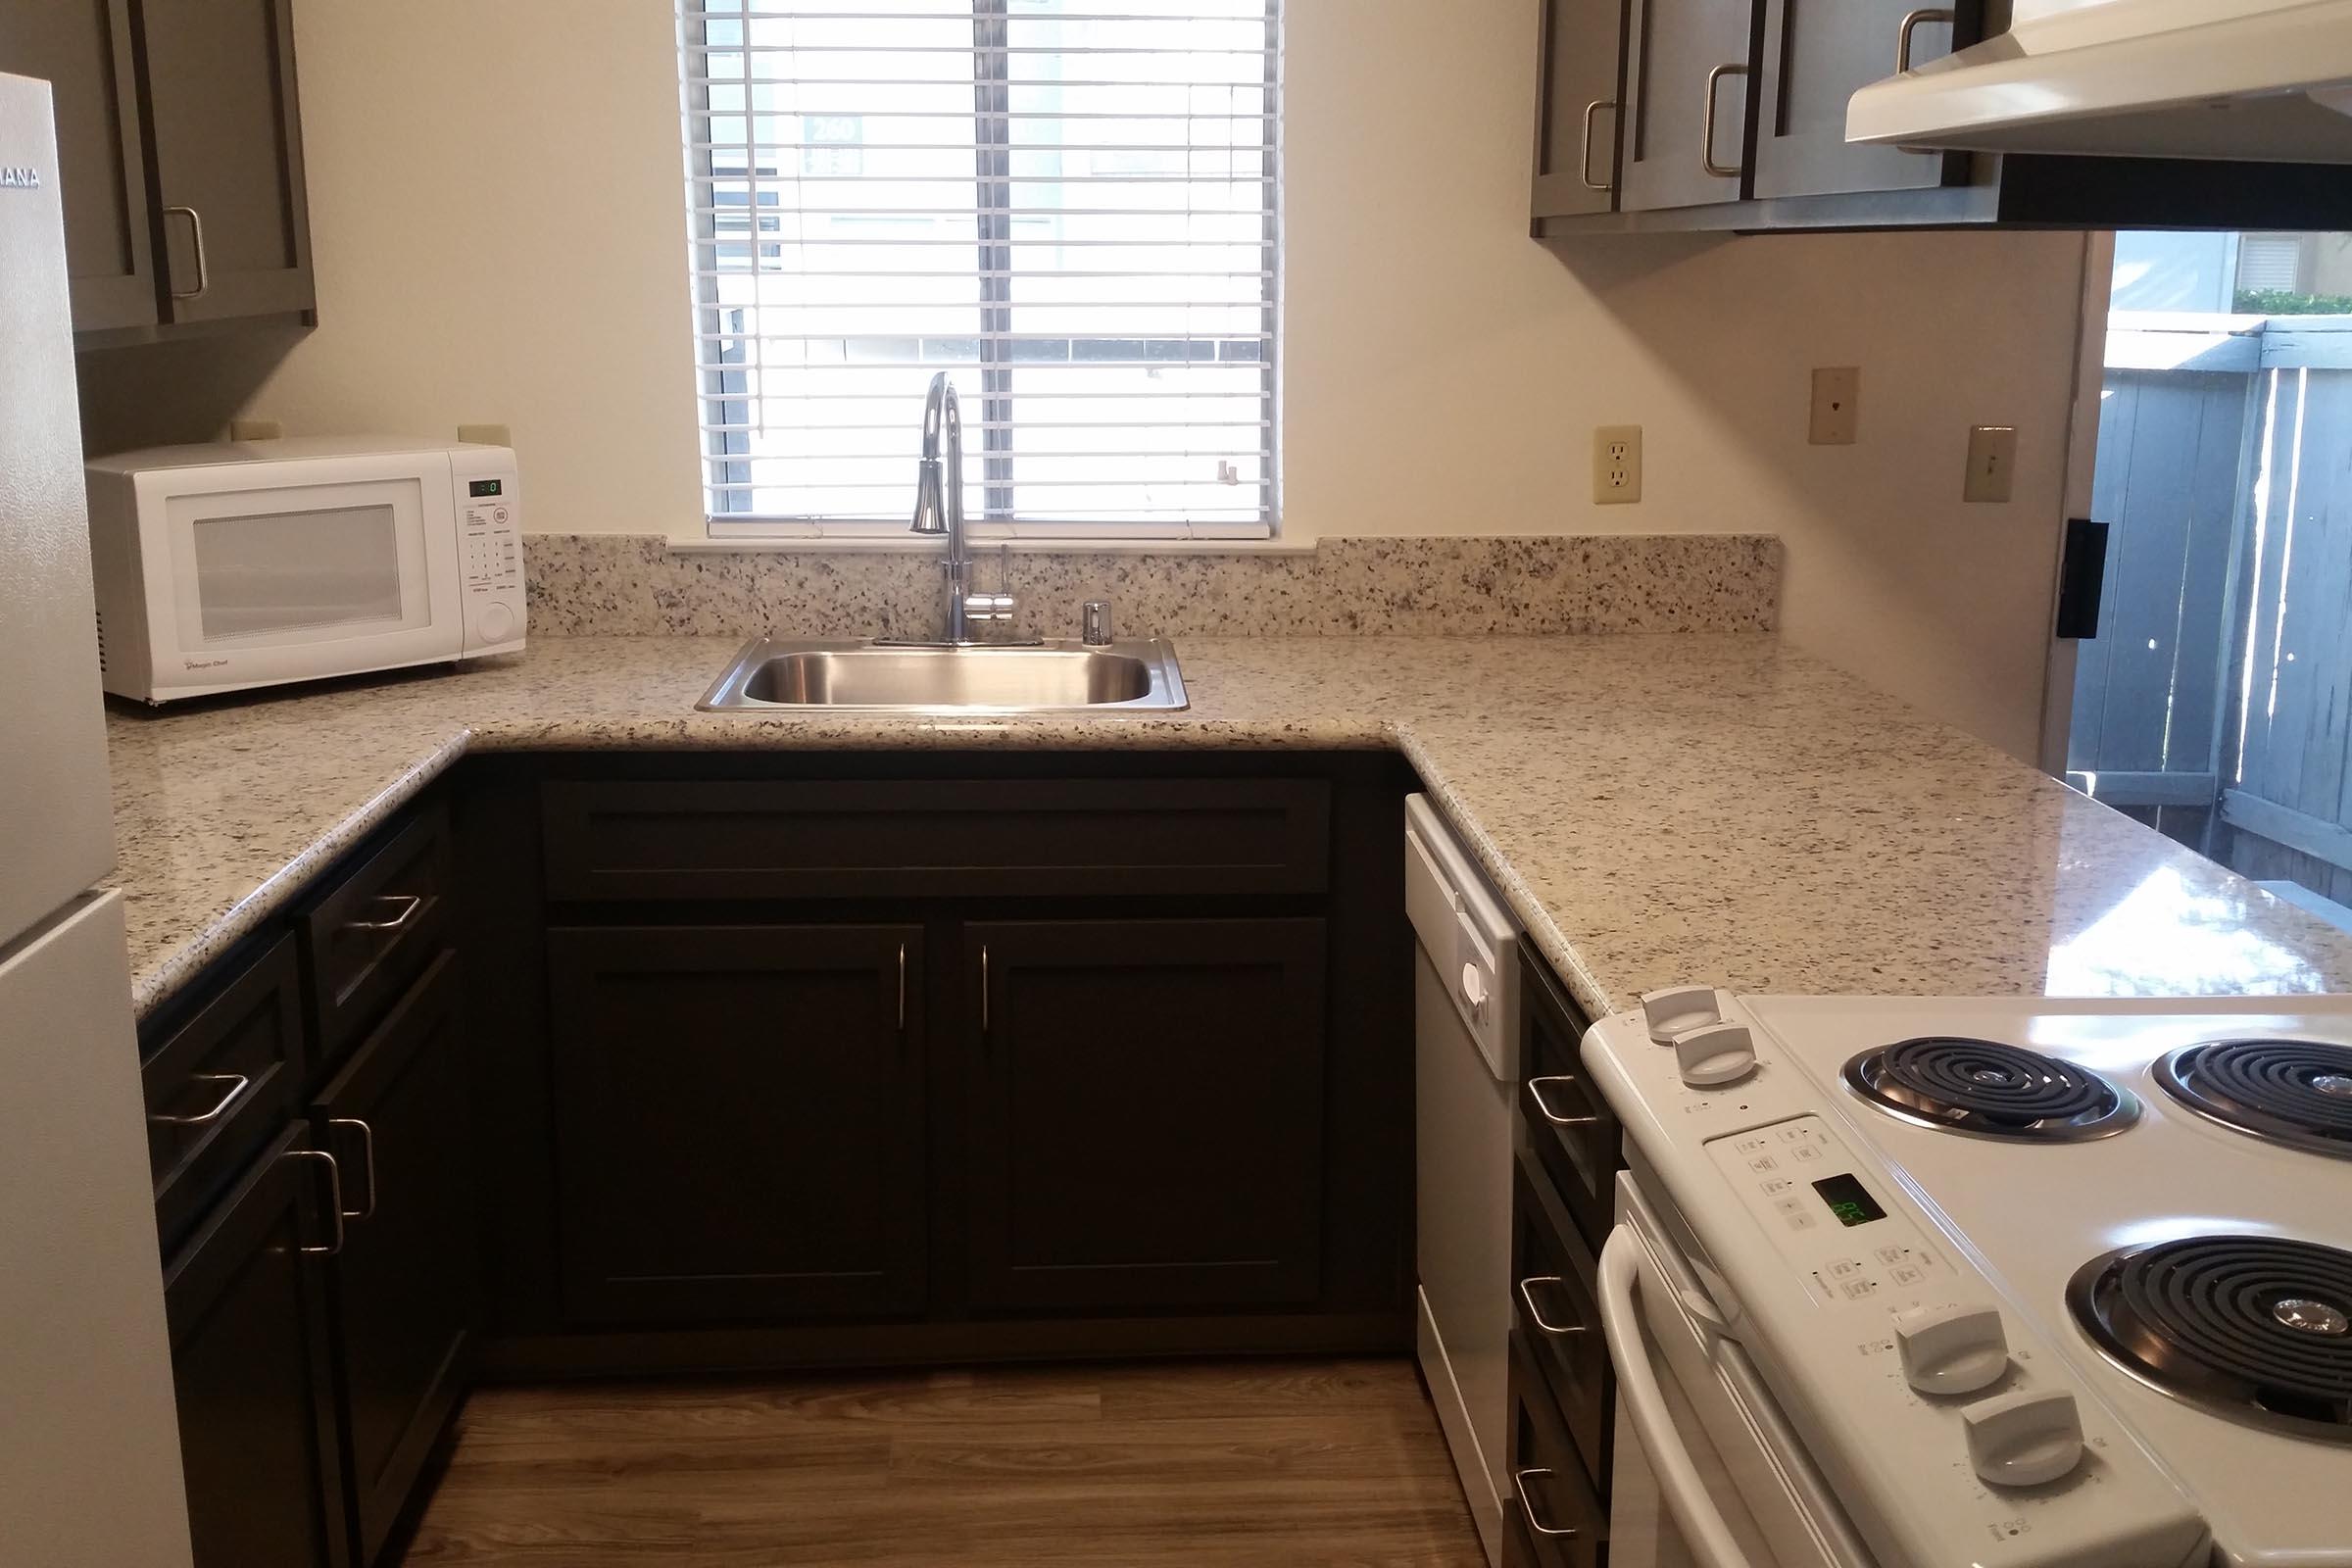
x,y
82,48
395,1121
249,1360
1817,54
1147,1113
228,136
739,1121
1687,73
1580,50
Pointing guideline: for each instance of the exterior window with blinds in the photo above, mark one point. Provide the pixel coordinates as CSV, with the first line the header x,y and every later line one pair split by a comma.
x,y
1070,206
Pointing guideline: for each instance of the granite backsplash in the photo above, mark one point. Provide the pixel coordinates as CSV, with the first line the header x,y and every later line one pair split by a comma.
x,y
638,585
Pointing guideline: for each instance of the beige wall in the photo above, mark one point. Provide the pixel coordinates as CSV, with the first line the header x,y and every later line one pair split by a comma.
x,y
506,242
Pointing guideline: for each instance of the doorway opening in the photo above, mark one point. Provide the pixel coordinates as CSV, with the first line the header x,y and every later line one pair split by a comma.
x,y
2215,702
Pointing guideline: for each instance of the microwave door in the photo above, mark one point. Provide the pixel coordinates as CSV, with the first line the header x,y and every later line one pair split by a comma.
x,y
304,580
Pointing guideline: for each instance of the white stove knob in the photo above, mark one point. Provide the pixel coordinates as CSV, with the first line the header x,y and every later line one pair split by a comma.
x,y
1951,1348
2024,1439
1677,1008
1714,1053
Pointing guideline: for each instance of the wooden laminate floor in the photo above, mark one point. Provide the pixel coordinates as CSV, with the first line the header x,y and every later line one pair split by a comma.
x,y
1250,1463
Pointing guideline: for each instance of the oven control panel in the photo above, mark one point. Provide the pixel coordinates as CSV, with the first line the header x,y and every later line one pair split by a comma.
x,y
1840,1234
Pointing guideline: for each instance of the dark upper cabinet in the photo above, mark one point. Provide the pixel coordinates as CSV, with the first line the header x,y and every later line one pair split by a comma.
x,y
180,149
1818,52
739,1121
406,1297
226,136
1734,118
1146,1116
1689,80
1580,51
251,1360
84,50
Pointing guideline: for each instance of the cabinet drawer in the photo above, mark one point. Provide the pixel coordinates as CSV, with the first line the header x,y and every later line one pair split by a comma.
x,y
1568,1123
1557,1317
892,838
370,934
220,1084
1563,1522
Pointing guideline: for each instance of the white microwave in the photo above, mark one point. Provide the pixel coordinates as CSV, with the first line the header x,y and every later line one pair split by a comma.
x,y
251,563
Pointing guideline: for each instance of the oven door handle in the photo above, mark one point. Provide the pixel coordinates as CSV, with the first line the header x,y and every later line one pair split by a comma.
x,y
1701,1522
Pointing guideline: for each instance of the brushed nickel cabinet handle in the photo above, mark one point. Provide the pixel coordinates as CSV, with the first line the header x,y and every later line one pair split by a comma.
x,y
1584,158
984,988
1535,1313
902,987
203,271
334,1191
237,1083
409,904
1706,128
1535,1092
1911,22
366,1164
1527,1509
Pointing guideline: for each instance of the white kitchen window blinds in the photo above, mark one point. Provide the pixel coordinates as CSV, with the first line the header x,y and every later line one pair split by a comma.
x,y
1071,206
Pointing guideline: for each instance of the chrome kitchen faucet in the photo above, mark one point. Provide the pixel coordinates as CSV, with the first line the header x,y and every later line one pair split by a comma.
x,y
939,509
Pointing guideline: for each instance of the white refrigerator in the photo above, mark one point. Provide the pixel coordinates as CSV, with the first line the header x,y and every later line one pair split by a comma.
x,y
89,1441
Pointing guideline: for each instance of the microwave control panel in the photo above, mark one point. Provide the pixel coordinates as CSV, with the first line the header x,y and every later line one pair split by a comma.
x,y
489,508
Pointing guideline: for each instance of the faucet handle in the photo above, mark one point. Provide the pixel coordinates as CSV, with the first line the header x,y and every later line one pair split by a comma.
x,y
999,605
1094,623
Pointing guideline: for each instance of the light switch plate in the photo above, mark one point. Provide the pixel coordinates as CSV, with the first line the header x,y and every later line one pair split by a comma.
x,y
1616,464
1992,462
1836,419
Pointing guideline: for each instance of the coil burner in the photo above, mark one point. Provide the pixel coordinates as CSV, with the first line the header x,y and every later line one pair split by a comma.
x,y
1990,1090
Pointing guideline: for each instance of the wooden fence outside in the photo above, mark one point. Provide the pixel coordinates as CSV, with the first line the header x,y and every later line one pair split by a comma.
x,y
2216,702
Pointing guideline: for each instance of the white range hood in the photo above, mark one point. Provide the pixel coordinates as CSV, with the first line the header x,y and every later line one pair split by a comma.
x,y
2257,79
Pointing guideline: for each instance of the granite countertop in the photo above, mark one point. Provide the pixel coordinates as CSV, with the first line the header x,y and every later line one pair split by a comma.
x,y
1657,809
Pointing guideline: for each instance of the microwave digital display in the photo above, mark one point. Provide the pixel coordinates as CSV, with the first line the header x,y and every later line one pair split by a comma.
x,y
486,487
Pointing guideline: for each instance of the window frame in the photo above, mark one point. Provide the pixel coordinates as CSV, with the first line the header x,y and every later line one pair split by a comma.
x,y
708,236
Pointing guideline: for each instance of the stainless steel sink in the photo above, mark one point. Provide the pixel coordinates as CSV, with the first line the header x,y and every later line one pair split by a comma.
x,y
772,675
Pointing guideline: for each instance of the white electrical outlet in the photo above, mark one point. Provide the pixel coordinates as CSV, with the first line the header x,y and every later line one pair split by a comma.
x,y
1837,406
1616,464
1992,455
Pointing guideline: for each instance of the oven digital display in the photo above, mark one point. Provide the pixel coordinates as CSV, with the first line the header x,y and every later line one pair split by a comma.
x,y
486,487
1849,1200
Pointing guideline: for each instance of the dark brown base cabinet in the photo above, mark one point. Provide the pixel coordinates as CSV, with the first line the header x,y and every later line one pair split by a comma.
x,y
323,1285
1563,1392
405,1280
708,1062
739,1121
253,1359
1146,1122
855,1060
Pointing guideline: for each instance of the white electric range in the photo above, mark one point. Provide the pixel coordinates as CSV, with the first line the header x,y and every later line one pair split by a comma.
x,y
1909,1283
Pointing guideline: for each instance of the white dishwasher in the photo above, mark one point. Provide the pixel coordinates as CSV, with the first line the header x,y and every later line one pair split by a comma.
x,y
1466,1042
